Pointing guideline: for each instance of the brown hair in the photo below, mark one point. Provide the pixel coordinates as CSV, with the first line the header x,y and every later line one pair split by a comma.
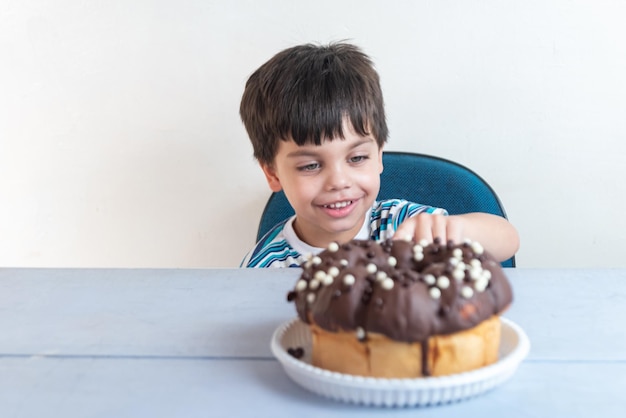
x,y
305,92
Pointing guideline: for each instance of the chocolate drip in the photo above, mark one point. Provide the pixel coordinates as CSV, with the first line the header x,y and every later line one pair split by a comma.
x,y
425,368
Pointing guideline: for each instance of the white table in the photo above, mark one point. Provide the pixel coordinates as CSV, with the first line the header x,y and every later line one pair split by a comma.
x,y
187,343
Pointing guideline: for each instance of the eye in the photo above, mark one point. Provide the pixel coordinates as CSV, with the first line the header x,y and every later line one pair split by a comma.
x,y
308,167
358,158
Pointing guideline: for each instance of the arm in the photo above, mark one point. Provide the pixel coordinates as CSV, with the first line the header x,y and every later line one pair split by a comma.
x,y
493,232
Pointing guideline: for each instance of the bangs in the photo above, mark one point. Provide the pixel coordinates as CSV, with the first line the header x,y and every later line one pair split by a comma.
x,y
326,123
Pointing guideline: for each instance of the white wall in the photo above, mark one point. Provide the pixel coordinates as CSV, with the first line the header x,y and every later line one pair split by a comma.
x,y
121,145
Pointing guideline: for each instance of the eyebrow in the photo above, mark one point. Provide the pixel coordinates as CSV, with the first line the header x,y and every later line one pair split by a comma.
x,y
305,152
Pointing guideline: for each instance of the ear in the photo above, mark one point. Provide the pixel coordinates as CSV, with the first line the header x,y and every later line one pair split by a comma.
x,y
380,160
271,177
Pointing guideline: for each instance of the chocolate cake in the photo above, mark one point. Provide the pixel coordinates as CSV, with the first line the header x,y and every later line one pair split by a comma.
x,y
401,308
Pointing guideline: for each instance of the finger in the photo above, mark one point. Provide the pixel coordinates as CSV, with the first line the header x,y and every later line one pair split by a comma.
x,y
439,228
454,230
424,227
406,230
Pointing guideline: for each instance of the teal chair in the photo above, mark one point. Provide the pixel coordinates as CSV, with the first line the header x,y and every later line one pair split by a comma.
x,y
419,178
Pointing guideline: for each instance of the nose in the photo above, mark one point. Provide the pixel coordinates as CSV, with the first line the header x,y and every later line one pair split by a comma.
x,y
337,178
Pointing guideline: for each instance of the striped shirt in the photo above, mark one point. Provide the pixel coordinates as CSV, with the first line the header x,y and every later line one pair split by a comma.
x,y
281,247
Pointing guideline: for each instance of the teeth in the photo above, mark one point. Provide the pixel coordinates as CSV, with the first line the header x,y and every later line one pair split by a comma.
x,y
339,204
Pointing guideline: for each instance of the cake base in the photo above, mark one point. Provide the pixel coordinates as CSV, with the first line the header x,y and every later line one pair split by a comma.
x,y
379,356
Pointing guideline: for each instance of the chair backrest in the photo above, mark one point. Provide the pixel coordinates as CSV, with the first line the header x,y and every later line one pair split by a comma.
x,y
419,178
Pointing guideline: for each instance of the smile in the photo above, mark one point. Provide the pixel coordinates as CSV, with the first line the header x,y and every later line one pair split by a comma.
x,y
339,205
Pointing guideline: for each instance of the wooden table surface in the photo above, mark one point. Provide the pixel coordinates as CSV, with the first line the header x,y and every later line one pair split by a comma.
x,y
187,343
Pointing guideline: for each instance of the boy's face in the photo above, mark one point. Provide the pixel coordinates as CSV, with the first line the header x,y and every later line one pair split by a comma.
x,y
331,186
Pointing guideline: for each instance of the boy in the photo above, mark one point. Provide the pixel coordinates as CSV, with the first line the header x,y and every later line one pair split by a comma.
x,y
316,119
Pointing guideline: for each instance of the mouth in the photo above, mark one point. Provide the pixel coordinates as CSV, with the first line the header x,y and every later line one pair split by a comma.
x,y
338,205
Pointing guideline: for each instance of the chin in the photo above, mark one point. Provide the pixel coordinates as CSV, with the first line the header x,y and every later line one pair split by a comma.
x,y
339,231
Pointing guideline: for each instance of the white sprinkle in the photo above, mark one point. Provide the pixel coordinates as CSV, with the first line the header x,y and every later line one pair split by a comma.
x,y
371,268
477,248
481,284
487,274
407,238
443,282
467,292
430,279
308,262
301,285
310,297
333,247
475,273
435,293
328,280
381,275
319,275
454,261
457,253
418,248
316,260
461,266
392,261
360,333
476,263
423,242
314,284
418,256
343,262
387,284
459,275
333,271
348,280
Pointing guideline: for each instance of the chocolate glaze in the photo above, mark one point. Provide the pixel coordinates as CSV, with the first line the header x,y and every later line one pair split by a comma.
x,y
297,352
452,287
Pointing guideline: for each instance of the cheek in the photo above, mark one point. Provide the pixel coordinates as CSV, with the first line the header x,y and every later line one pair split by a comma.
x,y
301,189
371,179
374,184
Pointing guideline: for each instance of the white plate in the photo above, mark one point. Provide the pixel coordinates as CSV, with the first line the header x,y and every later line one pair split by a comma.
x,y
514,347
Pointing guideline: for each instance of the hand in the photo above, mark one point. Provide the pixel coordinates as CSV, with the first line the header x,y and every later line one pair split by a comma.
x,y
426,226
494,232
